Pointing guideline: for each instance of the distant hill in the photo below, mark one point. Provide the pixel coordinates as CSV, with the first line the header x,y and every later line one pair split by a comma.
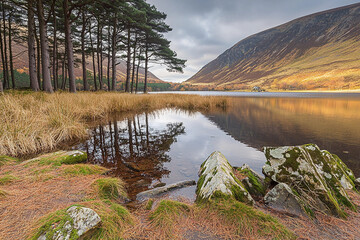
x,y
318,51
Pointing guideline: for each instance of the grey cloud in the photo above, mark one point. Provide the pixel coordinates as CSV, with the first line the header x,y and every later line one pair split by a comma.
x,y
203,29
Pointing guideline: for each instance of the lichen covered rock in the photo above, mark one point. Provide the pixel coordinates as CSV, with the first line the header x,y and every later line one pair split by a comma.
x,y
217,179
282,198
77,222
252,181
320,178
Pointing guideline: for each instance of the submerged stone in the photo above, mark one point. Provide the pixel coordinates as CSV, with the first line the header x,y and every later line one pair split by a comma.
x,y
80,221
252,181
320,178
282,198
217,180
159,190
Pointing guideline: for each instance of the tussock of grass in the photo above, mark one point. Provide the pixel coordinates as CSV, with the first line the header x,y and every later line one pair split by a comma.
x,y
251,221
4,160
83,169
167,214
7,179
2,194
109,188
39,121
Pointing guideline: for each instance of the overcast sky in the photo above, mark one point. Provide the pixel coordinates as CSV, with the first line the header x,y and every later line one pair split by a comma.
x,y
203,29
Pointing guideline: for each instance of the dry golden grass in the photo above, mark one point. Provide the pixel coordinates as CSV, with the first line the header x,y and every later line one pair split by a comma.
x,y
34,122
42,186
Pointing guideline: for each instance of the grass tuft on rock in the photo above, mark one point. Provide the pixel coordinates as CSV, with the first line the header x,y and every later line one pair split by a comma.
x,y
7,179
115,219
249,219
83,169
109,188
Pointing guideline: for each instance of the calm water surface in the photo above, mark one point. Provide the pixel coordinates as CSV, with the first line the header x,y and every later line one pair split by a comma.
x,y
169,145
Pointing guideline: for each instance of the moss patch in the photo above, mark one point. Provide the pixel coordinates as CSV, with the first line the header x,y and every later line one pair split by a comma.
x,y
7,179
109,188
83,169
5,160
257,188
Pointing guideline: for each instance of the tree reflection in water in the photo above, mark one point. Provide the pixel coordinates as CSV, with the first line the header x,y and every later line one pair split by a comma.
x,y
134,151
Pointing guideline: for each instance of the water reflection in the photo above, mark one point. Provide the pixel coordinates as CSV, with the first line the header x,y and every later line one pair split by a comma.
x,y
332,123
169,145
134,151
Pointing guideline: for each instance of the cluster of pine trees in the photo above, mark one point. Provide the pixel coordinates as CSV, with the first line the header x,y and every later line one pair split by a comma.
x,y
61,35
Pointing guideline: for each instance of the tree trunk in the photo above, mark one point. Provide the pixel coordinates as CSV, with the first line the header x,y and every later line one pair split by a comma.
x,y
45,59
137,72
6,69
146,69
69,47
55,77
113,56
108,63
128,62
83,59
93,59
34,84
11,55
98,56
38,52
2,59
133,68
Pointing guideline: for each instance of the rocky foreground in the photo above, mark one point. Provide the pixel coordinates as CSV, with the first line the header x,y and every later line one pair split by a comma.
x,y
304,188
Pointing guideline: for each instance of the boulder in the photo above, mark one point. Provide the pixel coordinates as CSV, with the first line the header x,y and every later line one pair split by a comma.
x,y
59,158
252,181
78,222
217,180
318,177
282,198
357,183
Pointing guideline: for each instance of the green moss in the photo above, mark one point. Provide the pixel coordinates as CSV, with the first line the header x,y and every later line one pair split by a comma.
x,y
7,179
52,223
74,159
109,188
60,158
83,169
247,218
257,188
4,160
199,184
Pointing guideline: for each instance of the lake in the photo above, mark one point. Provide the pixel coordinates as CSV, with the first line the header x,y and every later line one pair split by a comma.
x,y
168,145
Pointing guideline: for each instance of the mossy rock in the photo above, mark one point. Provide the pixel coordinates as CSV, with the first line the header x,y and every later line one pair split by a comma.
x,y
59,158
217,180
320,178
252,181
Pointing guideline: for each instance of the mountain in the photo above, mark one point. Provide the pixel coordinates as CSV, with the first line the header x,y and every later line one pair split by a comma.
x,y
318,51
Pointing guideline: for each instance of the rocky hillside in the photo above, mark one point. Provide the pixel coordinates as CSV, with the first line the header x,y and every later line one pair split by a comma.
x,y
318,51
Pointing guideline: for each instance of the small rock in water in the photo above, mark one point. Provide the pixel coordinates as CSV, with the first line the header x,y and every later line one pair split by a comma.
x,y
217,180
159,190
282,198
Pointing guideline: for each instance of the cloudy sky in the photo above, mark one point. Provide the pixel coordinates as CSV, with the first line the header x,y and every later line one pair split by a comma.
x,y
203,29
